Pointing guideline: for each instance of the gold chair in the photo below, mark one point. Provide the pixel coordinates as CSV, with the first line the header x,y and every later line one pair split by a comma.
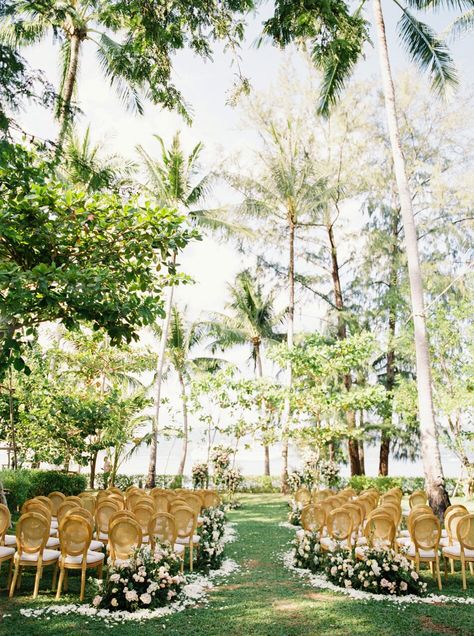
x,y
161,502
417,498
65,507
302,497
143,513
105,509
6,552
94,546
464,550
186,521
32,533
357,517
125,535
75,534
46,502
88,502
163,527
339,526
37,505
211,500
379,532
313,518
56,499
426,533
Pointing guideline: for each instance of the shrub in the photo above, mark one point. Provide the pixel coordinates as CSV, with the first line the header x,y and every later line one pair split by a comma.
x,y
382,571
307,553
211,546
145,581
407,484
24,484
260,484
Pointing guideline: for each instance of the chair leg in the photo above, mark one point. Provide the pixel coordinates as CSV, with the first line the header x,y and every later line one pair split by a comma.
x,y
39,574
55,577
66,580
60,582
471,567
83,584
445,569
10,573
463,572
190,556
18,585
438,573
452,565
14,581
99,572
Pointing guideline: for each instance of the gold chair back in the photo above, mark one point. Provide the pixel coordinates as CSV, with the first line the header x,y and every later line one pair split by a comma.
x,y
124,537
143,513
380,529
32,533
105,509
211,500
417,498
161,502
65,507
56,499
426,532
465,532
75,534
88,502
302,497
185,521
339,525
313,518
5,521
162,527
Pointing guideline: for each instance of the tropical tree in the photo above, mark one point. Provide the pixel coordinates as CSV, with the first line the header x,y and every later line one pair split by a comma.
x,y
182,340
337,38
135,42
251,320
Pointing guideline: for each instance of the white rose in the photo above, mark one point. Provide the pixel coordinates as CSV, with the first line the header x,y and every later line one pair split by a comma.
x,y
114,602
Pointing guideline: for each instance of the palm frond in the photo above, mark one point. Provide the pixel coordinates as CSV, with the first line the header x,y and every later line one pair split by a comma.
x,y
336,73
462,25
427,51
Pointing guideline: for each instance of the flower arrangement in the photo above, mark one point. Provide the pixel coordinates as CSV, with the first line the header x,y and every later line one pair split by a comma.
x,y
211,547
329,473
382,571
220,459
307,553
232,479
295,480
200,476
149,579
294,516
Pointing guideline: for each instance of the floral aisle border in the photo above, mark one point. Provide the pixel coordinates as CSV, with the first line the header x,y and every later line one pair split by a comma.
x,y
321,582
195,592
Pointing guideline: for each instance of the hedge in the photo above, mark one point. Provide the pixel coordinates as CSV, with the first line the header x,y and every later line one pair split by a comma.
x,y
24,484
407,484
162,481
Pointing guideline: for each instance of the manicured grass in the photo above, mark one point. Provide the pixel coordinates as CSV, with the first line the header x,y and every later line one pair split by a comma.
x,y
263,599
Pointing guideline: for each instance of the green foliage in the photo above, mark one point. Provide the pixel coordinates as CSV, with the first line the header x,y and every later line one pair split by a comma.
x,y
70,256
407,484
25,484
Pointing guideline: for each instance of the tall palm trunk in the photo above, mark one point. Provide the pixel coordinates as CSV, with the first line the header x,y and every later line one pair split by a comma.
x,y
184,401
259,373
151,477
289,341
353,444
433,470
68,86
12,418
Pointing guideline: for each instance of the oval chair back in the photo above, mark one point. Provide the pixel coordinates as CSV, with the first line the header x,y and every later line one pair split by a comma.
x,y
124,537
115,490
356,514
185,521
33,505
339,525
5,521
56,499
465,533
453,524
162,529
75,499
143,513
302,497
88,502
177,503
46,501
380,530
194,502
313,518
105,509
419,511
32,533
132,498
211,500
75,535
426,532
65,507
81,512
449,513
161,502
394,510
417,498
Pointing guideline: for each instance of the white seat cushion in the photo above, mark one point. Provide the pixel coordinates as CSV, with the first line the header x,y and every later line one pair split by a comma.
x,y
404,533
10,539
53,532
444,534
91,558
403,541
48,555
455,551
185,540
6,552
104,536
424,554
96,546
54,524
52,542
178,548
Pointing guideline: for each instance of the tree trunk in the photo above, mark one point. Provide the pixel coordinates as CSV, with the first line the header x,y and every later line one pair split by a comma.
x,y
12,418
151,477
433,470
289,341
259,374
184,400
353,444
390,370
68,87
93,470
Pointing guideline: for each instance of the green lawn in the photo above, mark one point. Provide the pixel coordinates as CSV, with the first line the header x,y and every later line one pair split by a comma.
x,y
262,599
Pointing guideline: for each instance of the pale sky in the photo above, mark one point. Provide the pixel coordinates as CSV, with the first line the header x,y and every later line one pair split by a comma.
x,y
205,86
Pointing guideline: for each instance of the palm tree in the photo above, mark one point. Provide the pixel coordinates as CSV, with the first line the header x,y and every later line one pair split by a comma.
x,y
282,199
182,339
174,180
73,23
337,54
251,321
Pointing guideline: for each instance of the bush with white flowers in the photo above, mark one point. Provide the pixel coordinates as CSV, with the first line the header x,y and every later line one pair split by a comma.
x,y
294,516
211,545
200,475
307,553
382,571
220,459
149,579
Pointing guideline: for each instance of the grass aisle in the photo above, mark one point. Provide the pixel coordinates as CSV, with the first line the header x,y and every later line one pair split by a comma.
x,y
263,599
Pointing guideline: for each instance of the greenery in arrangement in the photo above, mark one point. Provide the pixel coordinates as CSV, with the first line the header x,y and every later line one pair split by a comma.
x,y
307,552
149,579
200,474
211,546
